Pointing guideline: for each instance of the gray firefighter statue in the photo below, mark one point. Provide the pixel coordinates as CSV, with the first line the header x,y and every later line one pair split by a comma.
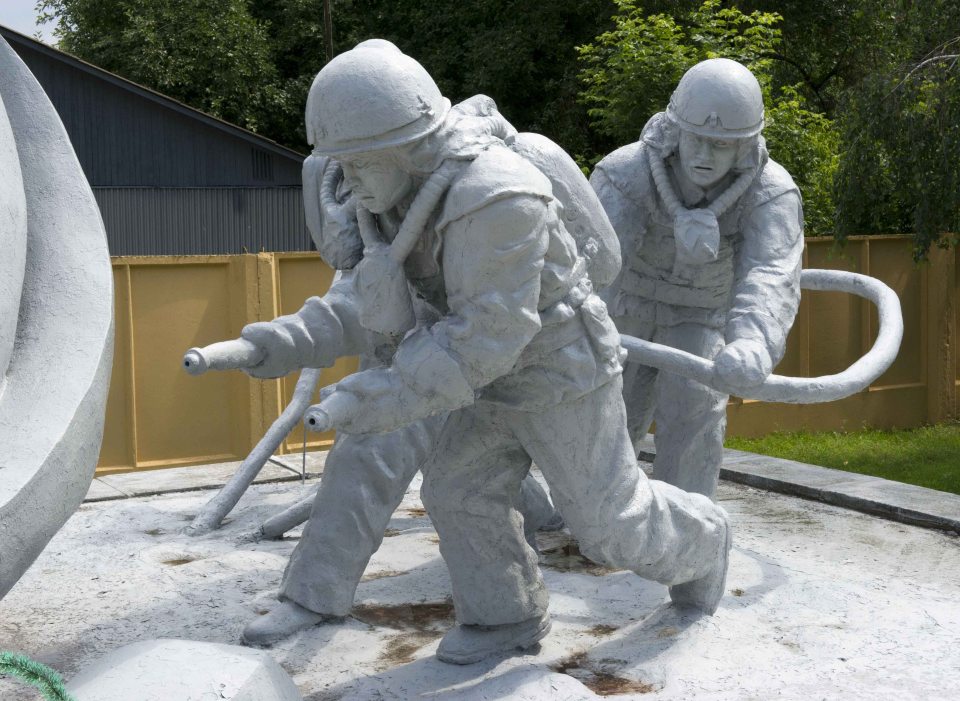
x,y
711,232
474,284
365,474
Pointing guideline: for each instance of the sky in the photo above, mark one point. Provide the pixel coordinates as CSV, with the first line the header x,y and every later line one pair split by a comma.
x,y
20,16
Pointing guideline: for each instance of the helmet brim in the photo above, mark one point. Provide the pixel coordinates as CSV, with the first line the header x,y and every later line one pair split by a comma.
x,y
408,133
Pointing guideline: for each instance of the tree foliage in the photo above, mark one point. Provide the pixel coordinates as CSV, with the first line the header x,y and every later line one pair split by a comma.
x,y
825,46
807,144
900,164
862,96
630,72
212,56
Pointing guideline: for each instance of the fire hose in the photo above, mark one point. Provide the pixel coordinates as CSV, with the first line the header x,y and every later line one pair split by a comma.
x,y
776,388
797,390
240,353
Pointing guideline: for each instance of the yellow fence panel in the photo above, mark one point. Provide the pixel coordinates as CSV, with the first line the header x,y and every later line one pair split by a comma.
x,y
299,276
832,330
158,416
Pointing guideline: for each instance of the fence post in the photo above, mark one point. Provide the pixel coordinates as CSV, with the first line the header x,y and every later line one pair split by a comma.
x,y
941,333
262,305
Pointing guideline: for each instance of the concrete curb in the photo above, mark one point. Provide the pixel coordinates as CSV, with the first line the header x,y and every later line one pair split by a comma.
x,y
895,501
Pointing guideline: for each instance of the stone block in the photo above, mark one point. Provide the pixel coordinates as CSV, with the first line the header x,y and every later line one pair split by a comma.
x,y
184,670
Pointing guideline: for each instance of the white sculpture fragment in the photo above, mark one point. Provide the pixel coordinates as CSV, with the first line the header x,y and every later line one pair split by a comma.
x,y
516,347
184,670
56,323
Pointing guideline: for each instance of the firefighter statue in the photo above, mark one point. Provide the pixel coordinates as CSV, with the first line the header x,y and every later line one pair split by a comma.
x,y
711,232
479,250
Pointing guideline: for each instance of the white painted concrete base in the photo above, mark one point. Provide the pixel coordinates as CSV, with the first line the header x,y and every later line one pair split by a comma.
x,y
822,603
184,670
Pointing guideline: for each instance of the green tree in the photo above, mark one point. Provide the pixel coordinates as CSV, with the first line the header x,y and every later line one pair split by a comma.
x,y
825,46
630,72
522,54
294,31
212,56
252,61
900,164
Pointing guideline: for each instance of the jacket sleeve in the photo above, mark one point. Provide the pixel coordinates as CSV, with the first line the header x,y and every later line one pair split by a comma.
x,y
492,259
766,290
620,210
629,220
328,327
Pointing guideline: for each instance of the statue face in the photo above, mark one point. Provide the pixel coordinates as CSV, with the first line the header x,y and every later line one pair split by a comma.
x,y
377,181
706,160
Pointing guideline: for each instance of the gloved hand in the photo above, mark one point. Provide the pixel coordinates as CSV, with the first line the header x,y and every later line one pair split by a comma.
x,y
743,364
285,345
372,401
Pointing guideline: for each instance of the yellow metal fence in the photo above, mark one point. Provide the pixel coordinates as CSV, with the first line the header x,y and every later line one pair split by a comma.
x,y
833,329
158,416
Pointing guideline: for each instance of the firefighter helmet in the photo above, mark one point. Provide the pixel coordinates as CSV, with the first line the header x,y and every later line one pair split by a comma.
x,y
718,98
369,98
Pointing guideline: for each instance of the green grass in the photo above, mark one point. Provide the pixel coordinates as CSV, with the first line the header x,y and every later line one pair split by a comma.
x,y
928,456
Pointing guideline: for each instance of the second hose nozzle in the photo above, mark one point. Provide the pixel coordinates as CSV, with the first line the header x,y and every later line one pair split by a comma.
x,y
317,420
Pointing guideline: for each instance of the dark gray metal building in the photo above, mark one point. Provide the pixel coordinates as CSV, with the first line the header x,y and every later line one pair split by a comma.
x,y
170,180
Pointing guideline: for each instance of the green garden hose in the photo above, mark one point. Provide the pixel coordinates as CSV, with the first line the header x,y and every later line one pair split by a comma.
x,y
35,674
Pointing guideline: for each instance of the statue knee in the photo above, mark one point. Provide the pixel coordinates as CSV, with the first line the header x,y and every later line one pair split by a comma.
x,y
601,549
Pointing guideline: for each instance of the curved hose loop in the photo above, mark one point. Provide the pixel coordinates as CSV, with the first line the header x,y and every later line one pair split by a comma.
x,y
797,390
421,208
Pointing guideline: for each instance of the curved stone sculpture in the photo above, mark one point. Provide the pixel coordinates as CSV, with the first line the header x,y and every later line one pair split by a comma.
x,y
13,224
56,323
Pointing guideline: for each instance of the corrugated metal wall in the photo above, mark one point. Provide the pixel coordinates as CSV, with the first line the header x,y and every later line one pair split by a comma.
x,y
202,221
170,180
